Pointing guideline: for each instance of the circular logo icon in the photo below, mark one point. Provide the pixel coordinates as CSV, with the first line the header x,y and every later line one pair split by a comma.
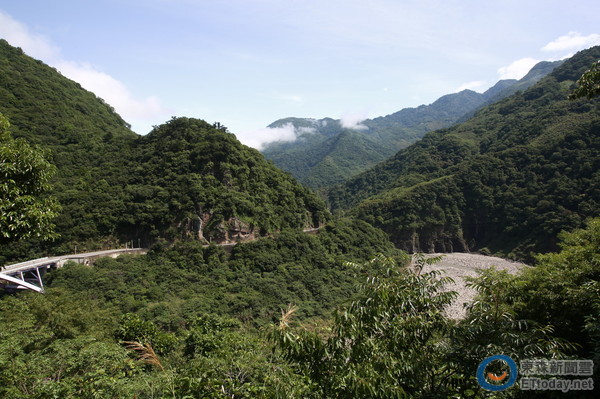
x,y
497,382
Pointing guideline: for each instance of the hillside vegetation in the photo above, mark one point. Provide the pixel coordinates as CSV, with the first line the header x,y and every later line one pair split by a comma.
x,y
191,178
186,179
194,322
509,179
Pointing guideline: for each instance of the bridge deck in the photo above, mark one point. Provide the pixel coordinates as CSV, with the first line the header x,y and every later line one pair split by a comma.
x,y
15,273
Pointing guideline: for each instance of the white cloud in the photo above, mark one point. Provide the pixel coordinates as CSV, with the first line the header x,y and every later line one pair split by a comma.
x,y
476,85
566,45
517,69
573,41
103,85
111,90
352,120
293,98
17,34
259,138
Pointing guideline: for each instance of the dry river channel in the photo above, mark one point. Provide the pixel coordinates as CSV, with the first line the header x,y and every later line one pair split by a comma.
x,y
460,265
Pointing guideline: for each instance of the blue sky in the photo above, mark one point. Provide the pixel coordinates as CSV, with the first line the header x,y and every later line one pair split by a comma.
x,y
247,63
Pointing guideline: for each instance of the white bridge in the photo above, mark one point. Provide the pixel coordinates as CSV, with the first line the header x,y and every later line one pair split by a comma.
x,y
28,275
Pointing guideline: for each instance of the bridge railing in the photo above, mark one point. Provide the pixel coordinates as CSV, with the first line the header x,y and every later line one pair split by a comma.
x,y
23,265
15,272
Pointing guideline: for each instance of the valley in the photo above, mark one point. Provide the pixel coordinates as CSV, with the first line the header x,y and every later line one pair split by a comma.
x,y
253,285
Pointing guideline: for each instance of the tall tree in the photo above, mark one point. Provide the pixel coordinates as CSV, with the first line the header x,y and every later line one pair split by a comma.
x,y
26,209
589,83
389,343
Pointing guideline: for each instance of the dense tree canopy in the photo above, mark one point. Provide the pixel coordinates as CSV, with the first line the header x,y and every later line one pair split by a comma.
x,y
189,170
182,321
394,340
194,319
326,153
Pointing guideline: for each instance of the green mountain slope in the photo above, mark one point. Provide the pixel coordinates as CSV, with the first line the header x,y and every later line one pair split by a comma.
x,y
510,179
87,141
185,179
320,161
192,179
309,157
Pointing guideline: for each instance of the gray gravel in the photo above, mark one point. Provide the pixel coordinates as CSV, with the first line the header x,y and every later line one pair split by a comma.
x,y
459,265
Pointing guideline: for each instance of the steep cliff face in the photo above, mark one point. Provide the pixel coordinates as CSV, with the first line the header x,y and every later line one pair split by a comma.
x,y
421,218
229,231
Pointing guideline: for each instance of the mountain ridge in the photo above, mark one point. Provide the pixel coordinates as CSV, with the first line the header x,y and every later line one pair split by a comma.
x,y
387,134
509,179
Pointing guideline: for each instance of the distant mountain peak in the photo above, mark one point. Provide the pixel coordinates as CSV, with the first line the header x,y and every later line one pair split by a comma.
x,y
387,134
499,87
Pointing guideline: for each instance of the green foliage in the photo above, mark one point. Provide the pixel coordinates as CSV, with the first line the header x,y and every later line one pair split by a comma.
x,y
562,289
206,335
133,328
195,305
187,179
385,344
547,311
81,135
424,217
493,327
239,365
589,83
190,171
394,339
26,210
171,286
55,345
319,161
526,168
592,323
389,338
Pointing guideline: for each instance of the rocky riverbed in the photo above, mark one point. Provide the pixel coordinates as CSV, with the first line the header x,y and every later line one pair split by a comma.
x,y
460,265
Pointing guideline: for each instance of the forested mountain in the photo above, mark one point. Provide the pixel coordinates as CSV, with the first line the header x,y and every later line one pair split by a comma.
x,y
512,177
319,161
319,158
187,178
338,313
191,178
